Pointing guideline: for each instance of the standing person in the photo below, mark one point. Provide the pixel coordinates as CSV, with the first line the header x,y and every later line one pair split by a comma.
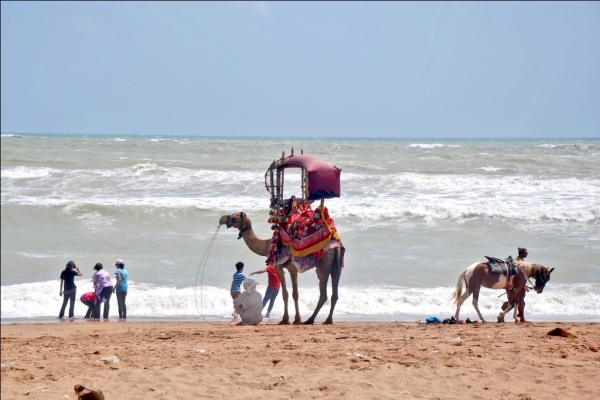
x,y
236,284
104,288
248,304
522,254
121,287
272,287
238,278
67,280
88,299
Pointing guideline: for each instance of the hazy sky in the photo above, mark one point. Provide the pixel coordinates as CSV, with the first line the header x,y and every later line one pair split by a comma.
x,y
388,69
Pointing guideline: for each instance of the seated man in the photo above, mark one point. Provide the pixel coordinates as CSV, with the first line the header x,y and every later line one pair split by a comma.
x,y
249,304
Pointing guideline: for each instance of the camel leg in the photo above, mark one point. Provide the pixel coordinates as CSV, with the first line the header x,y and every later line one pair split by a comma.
x,y
323,279
336,274
476,304
286,318
460,302
294,279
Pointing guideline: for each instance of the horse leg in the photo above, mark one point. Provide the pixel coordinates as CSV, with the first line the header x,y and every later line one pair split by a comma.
x,y
286,318
460,302
476,303
323,278
294,278
336,273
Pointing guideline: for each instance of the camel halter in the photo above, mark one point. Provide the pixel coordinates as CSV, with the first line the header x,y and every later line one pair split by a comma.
x,y
242,231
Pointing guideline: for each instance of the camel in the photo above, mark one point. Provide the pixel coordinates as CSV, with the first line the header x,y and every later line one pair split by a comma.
x,y
478,274
330,264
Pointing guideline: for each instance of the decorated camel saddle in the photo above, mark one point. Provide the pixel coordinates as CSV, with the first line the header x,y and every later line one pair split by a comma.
x,y
299,231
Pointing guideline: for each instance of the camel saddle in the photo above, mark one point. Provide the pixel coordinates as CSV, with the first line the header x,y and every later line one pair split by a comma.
x,y
498,266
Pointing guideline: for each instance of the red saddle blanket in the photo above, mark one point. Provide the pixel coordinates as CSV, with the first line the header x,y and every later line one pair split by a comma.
x,y
307,231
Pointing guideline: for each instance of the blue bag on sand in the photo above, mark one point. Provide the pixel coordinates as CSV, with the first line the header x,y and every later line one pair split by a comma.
x,y
431,320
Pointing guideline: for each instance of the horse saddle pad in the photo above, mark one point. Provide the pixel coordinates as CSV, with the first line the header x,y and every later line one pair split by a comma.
x,y
498,266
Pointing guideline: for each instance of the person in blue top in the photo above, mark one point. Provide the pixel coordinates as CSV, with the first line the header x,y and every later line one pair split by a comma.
x,y
236,285
238,278
121,287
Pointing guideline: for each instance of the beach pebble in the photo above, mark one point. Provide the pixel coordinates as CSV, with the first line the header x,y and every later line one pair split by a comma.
x,y
355,355
109,359
201,350
457,339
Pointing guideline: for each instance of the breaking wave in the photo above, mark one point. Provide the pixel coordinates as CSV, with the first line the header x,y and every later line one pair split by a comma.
x,y
39,299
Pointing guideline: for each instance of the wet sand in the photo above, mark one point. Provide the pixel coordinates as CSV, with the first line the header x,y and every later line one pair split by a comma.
x,y
352,360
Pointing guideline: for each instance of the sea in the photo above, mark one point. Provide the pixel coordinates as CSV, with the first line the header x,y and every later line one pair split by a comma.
x,y
413,214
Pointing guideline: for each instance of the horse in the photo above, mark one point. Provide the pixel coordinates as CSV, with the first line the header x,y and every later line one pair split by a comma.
x,y
478,274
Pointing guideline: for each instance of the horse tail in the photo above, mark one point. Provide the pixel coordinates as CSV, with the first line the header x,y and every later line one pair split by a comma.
x,y
458,290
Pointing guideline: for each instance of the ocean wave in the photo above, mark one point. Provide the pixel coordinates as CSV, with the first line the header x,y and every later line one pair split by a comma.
x,y
491,169
7,135
571,146
40,299
26,172
431,145
368,197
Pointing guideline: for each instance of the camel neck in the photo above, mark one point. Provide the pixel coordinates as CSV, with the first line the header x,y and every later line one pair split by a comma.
x,y
254,243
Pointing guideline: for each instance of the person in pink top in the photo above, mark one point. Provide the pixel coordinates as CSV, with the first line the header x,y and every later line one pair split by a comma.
x,y
272,288
104,288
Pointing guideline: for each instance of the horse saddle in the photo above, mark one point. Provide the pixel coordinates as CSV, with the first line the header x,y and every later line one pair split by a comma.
x,y
498,266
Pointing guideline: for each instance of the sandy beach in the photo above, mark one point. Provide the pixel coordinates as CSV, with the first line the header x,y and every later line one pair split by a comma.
x,y
375,360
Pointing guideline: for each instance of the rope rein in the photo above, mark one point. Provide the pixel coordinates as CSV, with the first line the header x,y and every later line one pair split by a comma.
x,y
202,266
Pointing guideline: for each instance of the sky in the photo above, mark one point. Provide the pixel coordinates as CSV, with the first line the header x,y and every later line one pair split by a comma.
x,y
310,69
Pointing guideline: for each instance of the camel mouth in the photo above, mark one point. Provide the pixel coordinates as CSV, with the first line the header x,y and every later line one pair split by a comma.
x,y
224,220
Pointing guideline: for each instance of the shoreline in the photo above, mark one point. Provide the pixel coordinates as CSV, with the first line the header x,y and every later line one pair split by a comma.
x,y
398,318
355,360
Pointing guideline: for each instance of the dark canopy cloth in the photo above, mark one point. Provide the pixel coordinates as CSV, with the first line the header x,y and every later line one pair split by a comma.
x,y
323,178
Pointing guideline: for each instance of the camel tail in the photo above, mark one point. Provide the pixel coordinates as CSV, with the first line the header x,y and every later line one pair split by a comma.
x,y
458,290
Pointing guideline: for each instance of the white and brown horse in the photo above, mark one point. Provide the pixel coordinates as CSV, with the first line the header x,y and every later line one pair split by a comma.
x,y
478,274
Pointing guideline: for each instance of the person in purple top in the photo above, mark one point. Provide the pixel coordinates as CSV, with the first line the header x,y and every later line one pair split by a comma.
x,y
104,288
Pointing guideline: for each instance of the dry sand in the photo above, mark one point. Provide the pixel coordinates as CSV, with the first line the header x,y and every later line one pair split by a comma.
x,y
189,360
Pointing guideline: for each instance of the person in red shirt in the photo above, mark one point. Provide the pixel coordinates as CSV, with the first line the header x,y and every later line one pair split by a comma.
x,y
88,299
272,287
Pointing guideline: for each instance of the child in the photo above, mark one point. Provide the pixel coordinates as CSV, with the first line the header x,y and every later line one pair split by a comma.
x,y
236,284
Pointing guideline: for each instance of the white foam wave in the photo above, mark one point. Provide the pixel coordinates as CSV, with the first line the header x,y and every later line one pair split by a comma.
x,y
431,145
26,172
491,169
120,140
41,299
7,135
396,196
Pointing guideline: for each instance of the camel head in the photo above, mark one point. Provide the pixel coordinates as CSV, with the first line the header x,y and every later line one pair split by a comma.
x,y
238,220
542,276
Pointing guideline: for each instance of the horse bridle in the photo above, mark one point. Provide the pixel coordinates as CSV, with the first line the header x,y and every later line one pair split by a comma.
x,y
242,231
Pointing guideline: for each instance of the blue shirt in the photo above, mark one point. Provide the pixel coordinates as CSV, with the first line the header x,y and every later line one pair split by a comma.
x,y
238,278
122,287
